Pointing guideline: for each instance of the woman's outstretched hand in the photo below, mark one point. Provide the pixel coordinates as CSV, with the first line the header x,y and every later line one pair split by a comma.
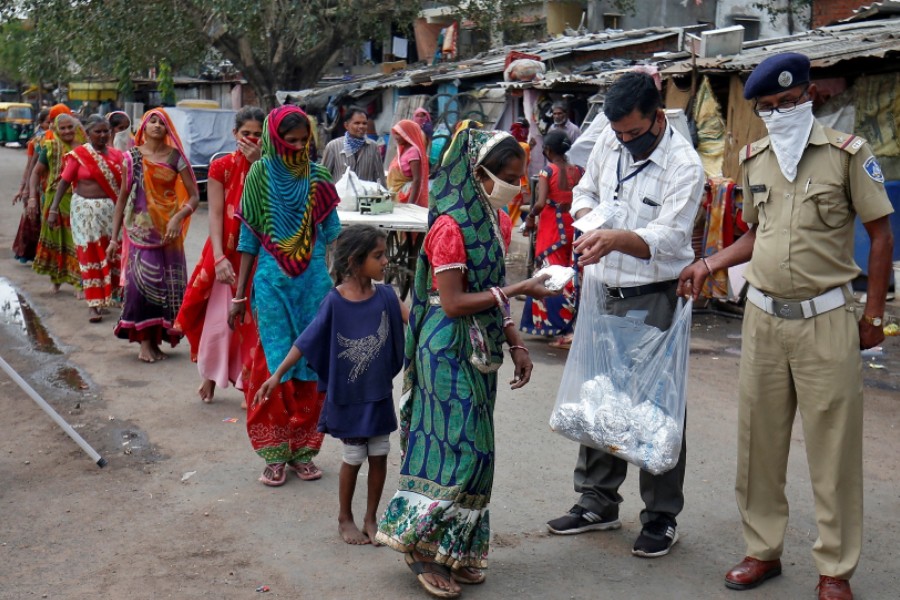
x,y
536,288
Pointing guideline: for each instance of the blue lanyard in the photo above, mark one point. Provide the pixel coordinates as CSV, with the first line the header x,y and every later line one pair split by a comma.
x,y
620,180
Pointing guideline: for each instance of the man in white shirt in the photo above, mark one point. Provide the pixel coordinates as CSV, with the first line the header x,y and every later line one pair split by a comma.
x,y
648,179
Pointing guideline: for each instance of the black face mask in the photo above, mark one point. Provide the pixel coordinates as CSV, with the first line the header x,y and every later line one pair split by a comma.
x,y
642,144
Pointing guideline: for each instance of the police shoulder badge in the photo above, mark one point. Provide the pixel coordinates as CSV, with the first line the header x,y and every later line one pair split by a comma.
x,y
873,169
785,79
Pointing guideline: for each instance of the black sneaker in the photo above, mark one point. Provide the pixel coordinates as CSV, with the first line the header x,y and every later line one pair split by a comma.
x,y
656,539
579,520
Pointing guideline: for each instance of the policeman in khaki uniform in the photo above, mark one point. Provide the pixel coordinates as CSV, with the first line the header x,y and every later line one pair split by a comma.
x,y
803,186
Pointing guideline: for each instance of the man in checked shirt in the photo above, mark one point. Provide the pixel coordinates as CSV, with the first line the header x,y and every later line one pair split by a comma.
x,y
649,178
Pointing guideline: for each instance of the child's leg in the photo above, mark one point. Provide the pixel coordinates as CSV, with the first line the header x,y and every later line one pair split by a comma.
x,y
378,451
354,455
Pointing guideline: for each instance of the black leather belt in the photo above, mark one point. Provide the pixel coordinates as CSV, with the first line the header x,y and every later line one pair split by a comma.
x,y
640,290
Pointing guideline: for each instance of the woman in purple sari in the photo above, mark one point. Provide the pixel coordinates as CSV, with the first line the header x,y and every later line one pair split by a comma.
x,y
157,199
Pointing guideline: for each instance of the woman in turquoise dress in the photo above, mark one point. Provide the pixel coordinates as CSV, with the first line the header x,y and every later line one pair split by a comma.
x,y
458,324
288,217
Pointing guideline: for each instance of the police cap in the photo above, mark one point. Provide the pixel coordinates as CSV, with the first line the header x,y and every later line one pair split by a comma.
x,y
777,74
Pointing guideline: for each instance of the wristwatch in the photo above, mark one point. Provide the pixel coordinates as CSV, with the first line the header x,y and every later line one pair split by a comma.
x,y
876,321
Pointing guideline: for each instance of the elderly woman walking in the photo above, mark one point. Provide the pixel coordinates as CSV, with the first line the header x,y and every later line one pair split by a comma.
x,y
154,206
56,255
94,170
458,324
288,217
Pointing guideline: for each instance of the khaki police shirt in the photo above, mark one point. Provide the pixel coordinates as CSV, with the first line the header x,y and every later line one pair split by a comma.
x,y
804,233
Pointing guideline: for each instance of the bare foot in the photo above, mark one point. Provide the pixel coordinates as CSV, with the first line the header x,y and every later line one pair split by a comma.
x,y
79,294
207,390
371,529
55,289
351,534
244,404
146,353
157,353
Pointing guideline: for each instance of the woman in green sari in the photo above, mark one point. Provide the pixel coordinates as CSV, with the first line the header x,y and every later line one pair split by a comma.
x,y
56,255
458,324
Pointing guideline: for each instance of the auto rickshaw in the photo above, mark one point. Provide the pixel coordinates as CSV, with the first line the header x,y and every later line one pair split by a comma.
x,y
16,122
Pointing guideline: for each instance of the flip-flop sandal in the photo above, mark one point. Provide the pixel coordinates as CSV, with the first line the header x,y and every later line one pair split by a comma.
x,y
306,471
278,475
420,569
466,577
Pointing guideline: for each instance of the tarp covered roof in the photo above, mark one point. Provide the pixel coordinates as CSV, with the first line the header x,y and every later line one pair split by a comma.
x,y
825,47
486,64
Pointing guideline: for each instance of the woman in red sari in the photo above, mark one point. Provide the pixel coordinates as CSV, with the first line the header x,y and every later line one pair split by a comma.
x,y
220,353
95,171
553,316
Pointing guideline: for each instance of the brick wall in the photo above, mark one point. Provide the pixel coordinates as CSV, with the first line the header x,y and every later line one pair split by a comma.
x,y
829,11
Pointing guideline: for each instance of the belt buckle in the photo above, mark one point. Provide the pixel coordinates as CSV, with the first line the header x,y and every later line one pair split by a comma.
x,y
615,293
788,310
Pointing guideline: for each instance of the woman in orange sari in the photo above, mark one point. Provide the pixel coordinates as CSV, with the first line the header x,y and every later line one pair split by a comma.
x,y
408,174
155,205
94,171
220,353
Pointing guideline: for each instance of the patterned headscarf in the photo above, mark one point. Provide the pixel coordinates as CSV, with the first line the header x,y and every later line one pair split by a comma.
x,y
353,144
286,196
456,192
57,149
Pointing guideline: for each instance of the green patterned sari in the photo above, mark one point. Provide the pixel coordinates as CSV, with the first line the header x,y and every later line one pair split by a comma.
x,y
447,412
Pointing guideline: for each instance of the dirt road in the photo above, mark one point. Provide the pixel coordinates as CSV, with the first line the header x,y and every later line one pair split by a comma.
x,y
178,512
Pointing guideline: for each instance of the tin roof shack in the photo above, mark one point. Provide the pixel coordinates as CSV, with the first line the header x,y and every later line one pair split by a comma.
x,y
854,65
473,88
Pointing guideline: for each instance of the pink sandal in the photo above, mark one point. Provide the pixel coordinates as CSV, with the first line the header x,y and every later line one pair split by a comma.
x,y
307,471
274,475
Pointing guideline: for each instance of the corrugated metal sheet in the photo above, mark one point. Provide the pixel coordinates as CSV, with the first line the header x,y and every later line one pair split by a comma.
x,y
825,47
484,65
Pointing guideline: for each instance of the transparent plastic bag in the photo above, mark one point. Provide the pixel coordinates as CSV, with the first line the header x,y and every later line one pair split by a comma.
x,y
623,387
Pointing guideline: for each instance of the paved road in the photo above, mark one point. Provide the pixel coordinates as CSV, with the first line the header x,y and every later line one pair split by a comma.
x,y
141,528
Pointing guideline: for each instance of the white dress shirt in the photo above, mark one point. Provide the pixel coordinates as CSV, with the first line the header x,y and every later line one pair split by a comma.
x,y
658,204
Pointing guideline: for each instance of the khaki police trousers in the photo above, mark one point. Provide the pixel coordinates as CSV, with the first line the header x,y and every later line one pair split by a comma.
x,y
811,365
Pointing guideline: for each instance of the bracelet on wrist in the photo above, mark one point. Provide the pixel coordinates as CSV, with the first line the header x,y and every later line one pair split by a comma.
x,y
238,300
706,264
189,207
219,260
508,322
523,348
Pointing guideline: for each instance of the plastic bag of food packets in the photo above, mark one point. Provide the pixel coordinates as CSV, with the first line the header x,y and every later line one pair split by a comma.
x,y
623,387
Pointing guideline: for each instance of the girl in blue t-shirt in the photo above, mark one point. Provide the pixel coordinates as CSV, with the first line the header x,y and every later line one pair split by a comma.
x,y
355,345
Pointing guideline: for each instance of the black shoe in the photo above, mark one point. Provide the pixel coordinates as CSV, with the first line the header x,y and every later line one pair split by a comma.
x,y
656,539
579,520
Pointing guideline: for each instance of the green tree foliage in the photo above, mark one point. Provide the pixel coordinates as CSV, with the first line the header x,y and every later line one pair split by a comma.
x,y
276,44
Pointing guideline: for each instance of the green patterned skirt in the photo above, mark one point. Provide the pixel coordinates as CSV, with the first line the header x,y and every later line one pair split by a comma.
x,y
441,506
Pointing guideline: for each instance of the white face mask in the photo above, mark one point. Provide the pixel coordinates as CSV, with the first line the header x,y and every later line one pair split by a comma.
x,y
788,134
502,194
